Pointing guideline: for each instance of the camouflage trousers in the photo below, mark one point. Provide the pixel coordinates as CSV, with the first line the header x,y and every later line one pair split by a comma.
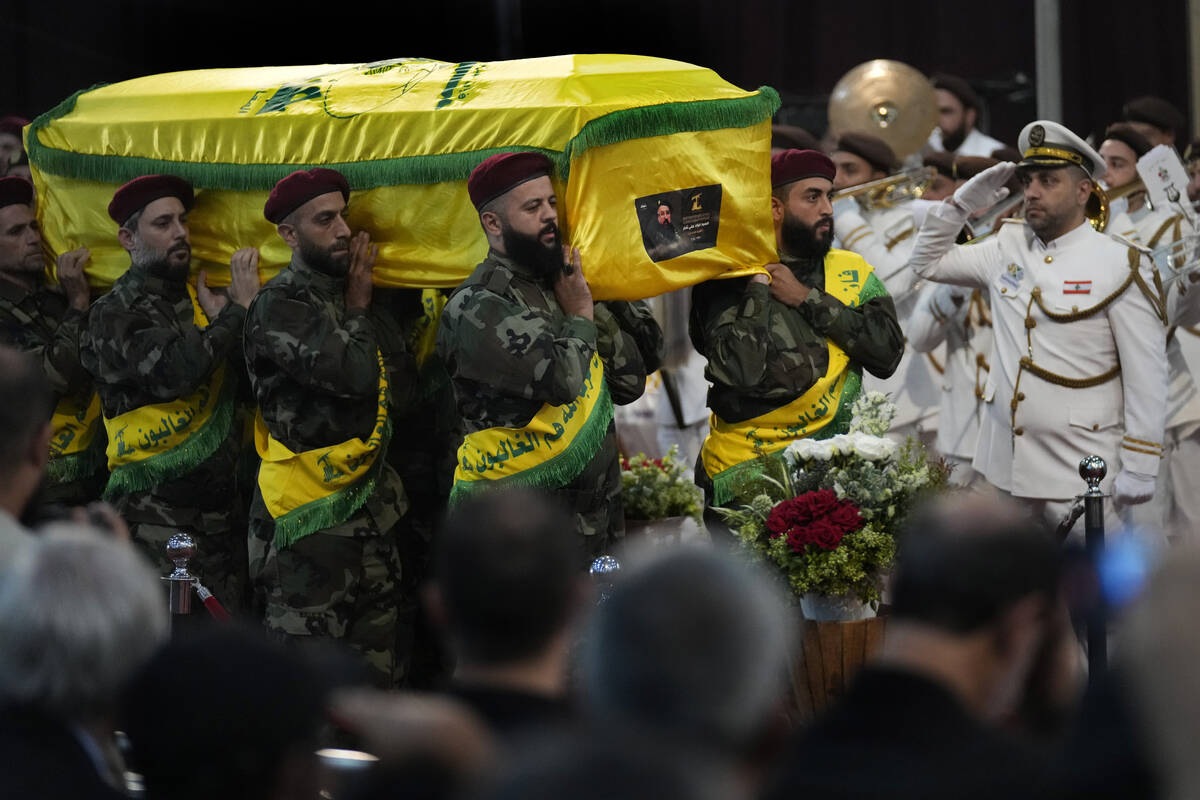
x,y
343,584
595,499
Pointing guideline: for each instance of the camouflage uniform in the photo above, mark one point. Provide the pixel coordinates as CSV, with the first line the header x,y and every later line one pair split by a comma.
x,y
762,353
315,373
142,347
510,349
40,323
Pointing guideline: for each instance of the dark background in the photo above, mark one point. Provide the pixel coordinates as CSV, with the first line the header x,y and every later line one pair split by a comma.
x,y
50,49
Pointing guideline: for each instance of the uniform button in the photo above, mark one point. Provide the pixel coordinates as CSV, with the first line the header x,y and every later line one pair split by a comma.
x,y
1049,259
1020,395
1003,290
1019,431
1095,427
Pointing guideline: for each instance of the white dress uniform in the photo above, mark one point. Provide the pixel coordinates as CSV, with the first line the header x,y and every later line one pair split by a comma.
x,y
977,143
960,319
885,239
1176,504
1078,362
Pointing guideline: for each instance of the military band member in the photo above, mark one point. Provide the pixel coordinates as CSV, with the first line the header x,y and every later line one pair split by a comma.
x,y
1191,159
323,522
958,115
45,321
884,237
159,353
1156,119
786,357
536,364
1078,364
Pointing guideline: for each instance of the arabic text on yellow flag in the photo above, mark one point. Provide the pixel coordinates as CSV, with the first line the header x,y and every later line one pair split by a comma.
x,y
624,132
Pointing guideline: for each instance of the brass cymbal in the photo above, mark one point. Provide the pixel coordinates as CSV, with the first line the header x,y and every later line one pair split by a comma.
x,y
888,99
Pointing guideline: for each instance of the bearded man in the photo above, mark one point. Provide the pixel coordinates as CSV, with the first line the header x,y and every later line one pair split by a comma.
x,y
326,509
535,364
786,353
158,351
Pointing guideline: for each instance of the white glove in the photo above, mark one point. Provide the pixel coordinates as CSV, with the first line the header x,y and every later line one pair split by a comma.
x,y
985,189
1132,488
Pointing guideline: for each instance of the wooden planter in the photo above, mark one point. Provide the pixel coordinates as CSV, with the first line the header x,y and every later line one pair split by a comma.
x,y
830,655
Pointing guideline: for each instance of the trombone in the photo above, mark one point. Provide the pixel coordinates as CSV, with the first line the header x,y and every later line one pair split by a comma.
x,y
890,191
1100,201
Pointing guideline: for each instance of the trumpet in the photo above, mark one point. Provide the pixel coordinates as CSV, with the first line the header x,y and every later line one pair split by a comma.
x,y
887,192
1100,200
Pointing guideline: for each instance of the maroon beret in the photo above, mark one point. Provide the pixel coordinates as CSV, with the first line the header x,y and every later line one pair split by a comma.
x,y
301,186
504,171
13,124
141,192
15,190
796,165
1127,134
1154,111
872,149
957,87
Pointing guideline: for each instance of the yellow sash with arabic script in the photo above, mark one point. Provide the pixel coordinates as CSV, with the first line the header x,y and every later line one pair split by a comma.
x,y
732,448
157,443
548,453
316,489
75,447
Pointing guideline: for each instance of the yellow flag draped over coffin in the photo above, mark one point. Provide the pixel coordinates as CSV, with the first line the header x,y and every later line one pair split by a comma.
x,y
624,133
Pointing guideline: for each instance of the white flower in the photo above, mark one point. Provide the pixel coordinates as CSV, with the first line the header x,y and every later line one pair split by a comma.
x,y
872,448
809,449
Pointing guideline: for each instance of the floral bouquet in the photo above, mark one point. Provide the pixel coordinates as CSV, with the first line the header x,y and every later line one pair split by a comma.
x,y
828,512
659,488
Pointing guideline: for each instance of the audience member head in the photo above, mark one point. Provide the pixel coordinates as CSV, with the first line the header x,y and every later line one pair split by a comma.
x,y
225,713
861,157
152,212
801,202
308,209
79,614
507,584
958,109
692,647
518,209
791,137
1155,118
975,597
25,407
11,146
21,253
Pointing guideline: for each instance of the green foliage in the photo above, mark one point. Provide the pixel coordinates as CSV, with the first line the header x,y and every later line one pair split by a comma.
x,y
659,488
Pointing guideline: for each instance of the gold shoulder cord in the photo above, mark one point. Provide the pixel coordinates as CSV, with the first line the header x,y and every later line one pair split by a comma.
x,y
1027,363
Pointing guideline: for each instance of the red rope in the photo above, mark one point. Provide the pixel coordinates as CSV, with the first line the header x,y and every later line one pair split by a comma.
x,y
215,609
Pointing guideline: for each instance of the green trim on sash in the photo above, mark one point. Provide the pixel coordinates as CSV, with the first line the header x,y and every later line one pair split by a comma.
x,y
140,476
77,466
559,470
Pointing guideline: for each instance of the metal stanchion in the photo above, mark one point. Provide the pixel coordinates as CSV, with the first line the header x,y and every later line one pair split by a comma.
x,y
181,548
1093,469
604,571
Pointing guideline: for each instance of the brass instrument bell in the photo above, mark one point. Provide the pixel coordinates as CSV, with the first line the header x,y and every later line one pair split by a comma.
x,y
887,99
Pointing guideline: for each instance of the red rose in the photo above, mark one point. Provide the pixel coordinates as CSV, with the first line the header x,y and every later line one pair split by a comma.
x,y
820,502
778,520
798,539
825,534
846,517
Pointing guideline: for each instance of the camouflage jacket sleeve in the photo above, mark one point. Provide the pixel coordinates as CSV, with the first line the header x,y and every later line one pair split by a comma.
x,y
323,354
59,356
731,329
165,361
631,343
869,333
515,350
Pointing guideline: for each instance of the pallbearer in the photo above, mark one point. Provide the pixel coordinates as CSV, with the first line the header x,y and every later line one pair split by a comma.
x,y
159,351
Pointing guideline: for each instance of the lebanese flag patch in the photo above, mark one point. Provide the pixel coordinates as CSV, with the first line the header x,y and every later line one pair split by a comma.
x,y
1077,287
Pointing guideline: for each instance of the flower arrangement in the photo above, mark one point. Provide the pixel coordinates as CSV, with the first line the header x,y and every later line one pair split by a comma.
x,y
828,512
659,488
